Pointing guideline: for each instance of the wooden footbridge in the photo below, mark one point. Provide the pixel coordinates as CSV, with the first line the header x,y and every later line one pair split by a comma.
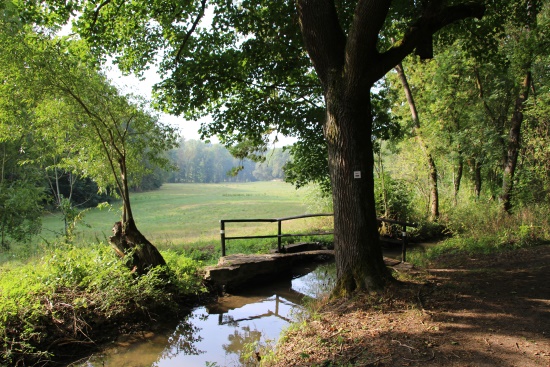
x,y
233,271
280,235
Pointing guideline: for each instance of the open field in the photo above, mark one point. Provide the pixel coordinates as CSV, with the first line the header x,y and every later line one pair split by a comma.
x,y
190,213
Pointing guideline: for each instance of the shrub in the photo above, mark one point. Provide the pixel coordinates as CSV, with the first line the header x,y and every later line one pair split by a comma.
x,y
183,273
393,198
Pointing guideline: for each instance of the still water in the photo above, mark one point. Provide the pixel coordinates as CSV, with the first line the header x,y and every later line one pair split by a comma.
x,y
222,334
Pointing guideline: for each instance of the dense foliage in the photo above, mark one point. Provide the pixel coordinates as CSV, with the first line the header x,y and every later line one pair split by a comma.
x,y
477,120
65,130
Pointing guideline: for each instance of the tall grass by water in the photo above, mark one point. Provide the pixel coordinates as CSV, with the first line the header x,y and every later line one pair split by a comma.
x,y
483,228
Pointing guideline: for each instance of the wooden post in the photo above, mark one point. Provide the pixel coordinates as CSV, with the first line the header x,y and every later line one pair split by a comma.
x,y
279,236
222,235
404,248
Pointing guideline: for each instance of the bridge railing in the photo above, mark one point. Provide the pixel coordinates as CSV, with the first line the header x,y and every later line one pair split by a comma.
x,y
280,235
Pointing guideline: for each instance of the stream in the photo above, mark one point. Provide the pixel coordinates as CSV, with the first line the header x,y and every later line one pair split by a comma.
x,y
228,332
225,333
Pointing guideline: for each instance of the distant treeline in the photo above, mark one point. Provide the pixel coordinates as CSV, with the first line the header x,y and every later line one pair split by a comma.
x,y
199,162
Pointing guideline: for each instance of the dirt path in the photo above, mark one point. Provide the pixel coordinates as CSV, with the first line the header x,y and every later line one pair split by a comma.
x,y
483,311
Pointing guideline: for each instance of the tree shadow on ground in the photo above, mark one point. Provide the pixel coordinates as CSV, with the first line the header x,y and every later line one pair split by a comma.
x,y
489,310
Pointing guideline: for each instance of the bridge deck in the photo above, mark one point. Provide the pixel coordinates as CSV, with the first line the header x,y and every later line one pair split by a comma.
x,y
235,271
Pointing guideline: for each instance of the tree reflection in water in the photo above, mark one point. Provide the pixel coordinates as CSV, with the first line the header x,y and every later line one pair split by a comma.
x,y
183,340
243,344
233,329
317,283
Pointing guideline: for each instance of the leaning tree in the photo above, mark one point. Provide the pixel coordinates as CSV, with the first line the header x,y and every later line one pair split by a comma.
x,y
108,134
114,134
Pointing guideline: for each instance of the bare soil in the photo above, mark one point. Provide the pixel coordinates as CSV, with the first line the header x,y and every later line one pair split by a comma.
x,y
490,310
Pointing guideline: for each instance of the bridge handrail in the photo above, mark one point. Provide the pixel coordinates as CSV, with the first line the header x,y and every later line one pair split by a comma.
x,y
280,235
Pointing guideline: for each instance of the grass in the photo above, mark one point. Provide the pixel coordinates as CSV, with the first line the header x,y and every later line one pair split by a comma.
x,y
485,229
67,295
185,217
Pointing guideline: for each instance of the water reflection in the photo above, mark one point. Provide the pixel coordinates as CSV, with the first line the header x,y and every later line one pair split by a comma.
x,y
243,343
225,318
182,341
225,333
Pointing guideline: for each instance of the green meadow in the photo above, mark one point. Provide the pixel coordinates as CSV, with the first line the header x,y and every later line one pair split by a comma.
x,y
186,214
182,220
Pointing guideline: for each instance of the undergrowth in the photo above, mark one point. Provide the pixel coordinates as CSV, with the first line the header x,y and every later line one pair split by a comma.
x,y
485,229
68,295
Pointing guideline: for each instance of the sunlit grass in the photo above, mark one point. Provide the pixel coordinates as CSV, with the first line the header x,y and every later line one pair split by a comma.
x,y
179,214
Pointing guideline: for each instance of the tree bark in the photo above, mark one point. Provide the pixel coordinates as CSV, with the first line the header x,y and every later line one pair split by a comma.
x,y
128,240
358,253
458,178
384,188
476,168
432,169
514,139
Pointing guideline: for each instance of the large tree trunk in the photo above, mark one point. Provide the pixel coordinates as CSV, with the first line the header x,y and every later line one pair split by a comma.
x,y
359,260
128,240
514,139
348,64
434,192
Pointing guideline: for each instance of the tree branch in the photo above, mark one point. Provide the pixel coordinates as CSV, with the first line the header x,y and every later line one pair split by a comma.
x,y
368,20
323,36
97,118
190,32
422,31
479,85
127,127
96,13
279,87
